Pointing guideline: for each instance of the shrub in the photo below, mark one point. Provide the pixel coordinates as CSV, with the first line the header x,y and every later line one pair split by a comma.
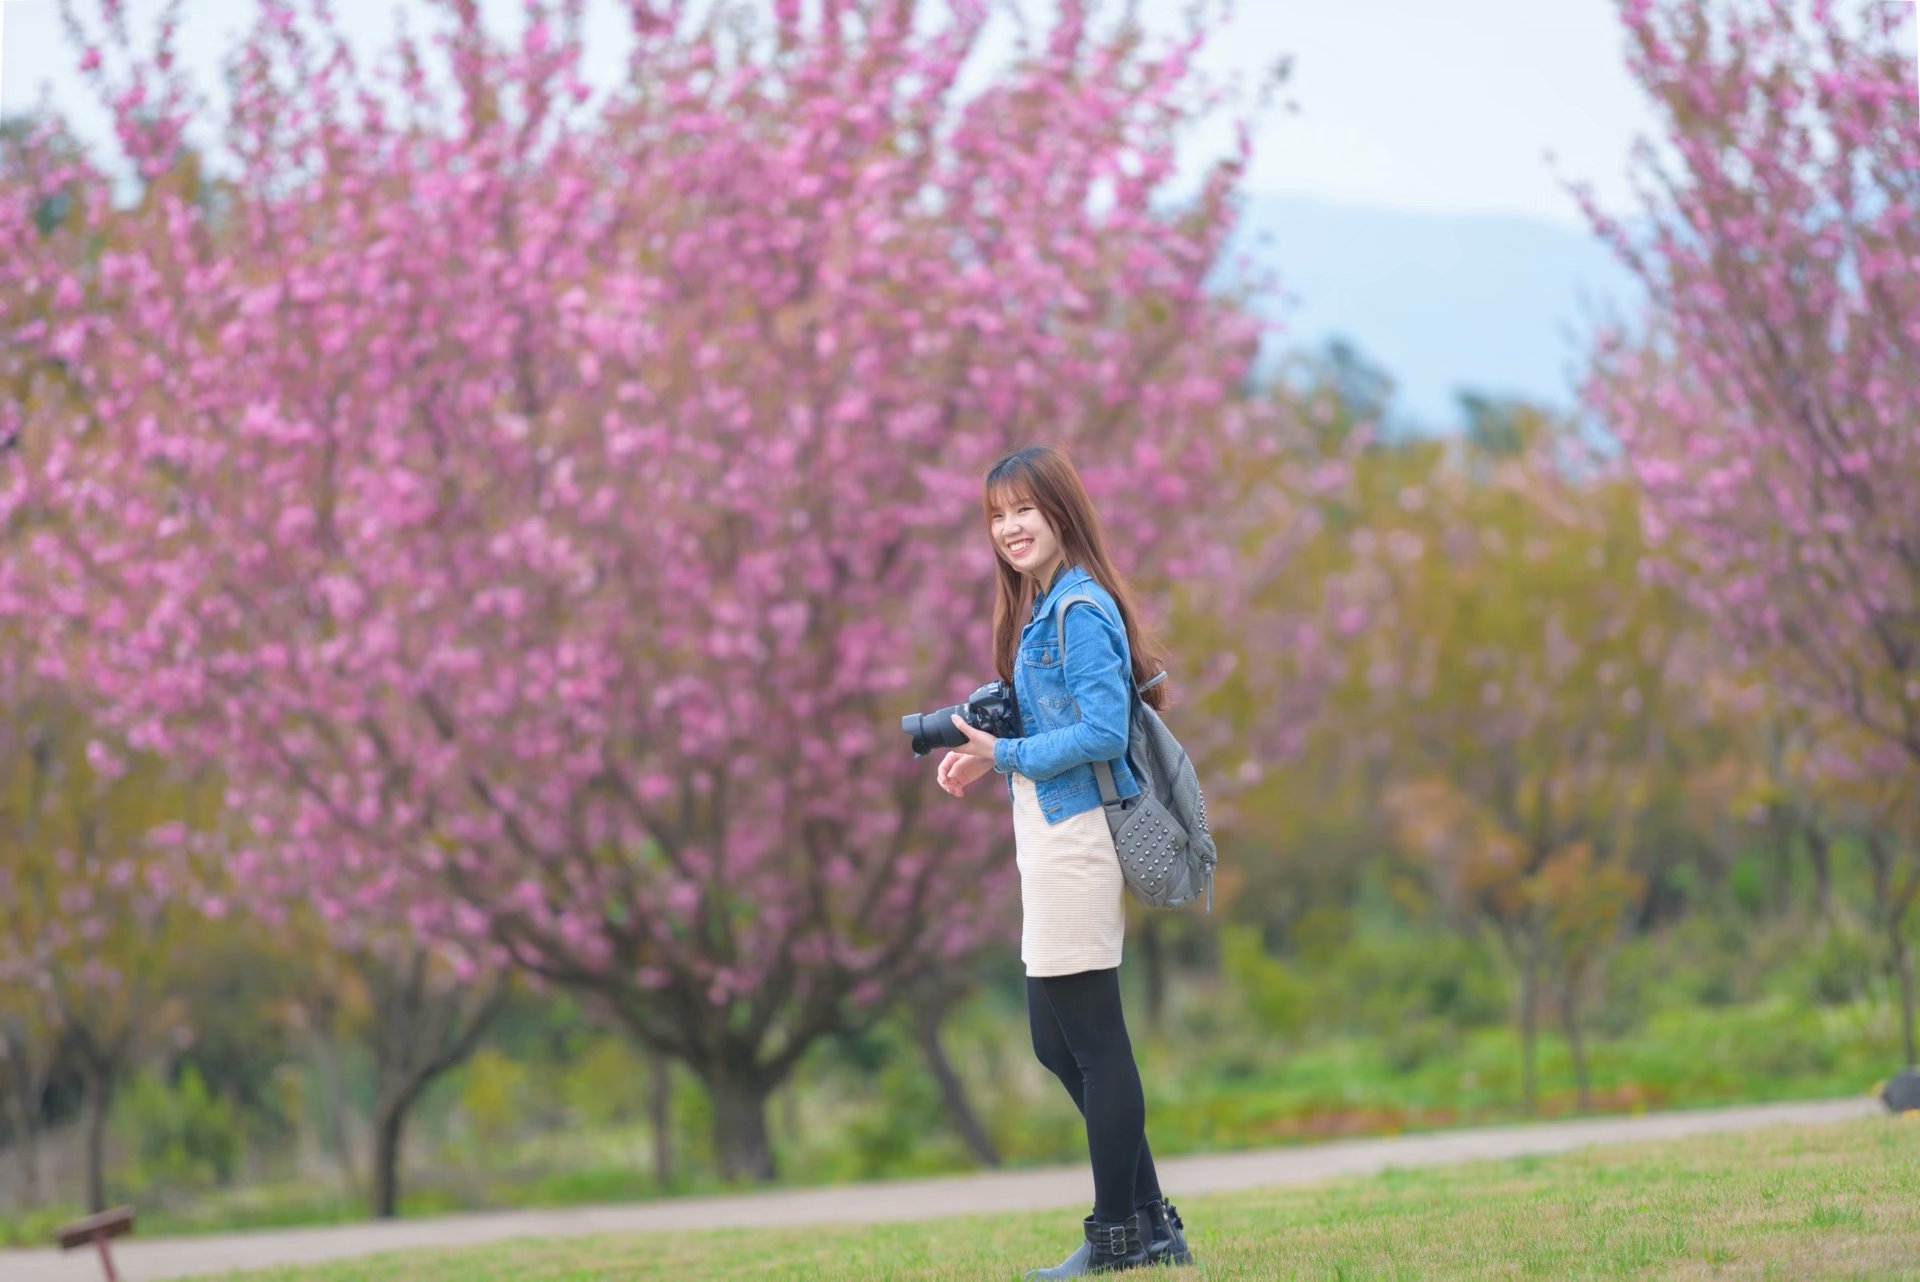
x,y
493,1091
178,1136
1280,1002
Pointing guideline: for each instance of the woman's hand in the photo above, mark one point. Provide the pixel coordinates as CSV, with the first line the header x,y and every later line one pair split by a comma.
x,y
979,743
957,770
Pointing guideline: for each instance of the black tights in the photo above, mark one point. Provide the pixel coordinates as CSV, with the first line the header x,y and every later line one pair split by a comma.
x,y
1080,1034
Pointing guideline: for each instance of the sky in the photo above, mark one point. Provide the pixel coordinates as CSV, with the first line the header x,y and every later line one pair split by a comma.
x,y
1443,106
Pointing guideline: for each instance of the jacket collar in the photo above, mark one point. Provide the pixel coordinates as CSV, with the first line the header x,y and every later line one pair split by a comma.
x,y
1069,579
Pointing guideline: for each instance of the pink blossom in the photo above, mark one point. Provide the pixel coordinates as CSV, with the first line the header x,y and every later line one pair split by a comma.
x,y
536,526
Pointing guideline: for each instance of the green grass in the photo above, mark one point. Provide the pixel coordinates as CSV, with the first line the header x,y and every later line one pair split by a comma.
x,y
1245,1092
1786,1202
1693,1057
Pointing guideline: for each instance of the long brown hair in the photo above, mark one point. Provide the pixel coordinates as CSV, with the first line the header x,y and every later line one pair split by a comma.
x,y
1043,476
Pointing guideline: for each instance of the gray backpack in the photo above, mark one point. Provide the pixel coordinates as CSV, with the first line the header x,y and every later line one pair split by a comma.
x,y
1166,851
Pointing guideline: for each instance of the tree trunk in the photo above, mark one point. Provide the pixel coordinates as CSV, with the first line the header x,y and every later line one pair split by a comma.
x,y
1570,1016
419,1031
1903,974
739,1097
333,1082
396,1100
660,1099
27,1137
790,1115
99,1088
952,1089
1822,862
390,1121
1894,902
24,1101
1153,952
1529,982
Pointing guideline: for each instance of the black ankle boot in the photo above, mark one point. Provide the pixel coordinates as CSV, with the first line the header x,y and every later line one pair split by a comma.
x,y
1111,1245
1166,1241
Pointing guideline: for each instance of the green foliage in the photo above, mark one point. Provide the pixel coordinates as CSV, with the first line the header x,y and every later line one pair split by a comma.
x,y
1707,961
180,1135
1835,969
1388,977
1748,883
35,1226
494,1096
905,1117
1321,933
1279,1001
606,1084
1417,1040
237,971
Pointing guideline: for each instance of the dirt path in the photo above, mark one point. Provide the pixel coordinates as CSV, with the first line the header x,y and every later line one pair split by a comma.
x,y
980,1193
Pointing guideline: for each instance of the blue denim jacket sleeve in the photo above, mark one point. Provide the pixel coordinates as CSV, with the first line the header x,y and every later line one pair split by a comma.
x,y
1097,677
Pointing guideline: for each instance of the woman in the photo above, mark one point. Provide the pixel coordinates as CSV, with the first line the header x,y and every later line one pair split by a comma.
x,y
1048,546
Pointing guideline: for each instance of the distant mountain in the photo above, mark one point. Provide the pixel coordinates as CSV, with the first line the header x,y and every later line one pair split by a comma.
x,y
1442,302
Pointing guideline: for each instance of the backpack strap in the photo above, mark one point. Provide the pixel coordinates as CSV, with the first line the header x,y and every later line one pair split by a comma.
x,y
1064,602
1102,771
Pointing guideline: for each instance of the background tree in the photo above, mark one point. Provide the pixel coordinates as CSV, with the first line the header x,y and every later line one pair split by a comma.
x,y
513,497
1520,692
926,1013
427,1012
1867,794
29,1047
427,1018
1767,410
98,901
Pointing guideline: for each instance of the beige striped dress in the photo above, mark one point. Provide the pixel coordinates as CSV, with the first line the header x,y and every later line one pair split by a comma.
x,y
1072,911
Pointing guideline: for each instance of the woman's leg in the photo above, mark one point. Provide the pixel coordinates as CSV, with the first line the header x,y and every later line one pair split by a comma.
x,y
1080,1035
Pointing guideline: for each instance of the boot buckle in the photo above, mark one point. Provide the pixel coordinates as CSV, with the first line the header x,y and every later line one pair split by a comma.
x,y
1117,1238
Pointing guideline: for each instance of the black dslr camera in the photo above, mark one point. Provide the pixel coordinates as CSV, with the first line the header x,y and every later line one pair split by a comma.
x,y
990,708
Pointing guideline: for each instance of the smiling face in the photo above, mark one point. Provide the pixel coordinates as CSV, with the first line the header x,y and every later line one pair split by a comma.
x,y
1024,538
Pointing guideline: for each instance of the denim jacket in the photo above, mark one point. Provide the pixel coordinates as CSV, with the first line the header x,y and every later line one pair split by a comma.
x,y
1057,749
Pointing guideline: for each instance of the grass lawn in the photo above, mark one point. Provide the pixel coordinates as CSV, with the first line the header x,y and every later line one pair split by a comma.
x,y
846,1128
1785,1202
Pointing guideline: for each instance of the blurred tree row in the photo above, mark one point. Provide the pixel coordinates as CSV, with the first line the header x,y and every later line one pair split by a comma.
x,y
486,548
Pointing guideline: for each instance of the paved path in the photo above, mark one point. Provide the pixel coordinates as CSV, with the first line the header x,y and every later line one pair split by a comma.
x,y
982,1192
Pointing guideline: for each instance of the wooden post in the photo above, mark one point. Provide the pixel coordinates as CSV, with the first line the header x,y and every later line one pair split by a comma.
x,y
98,1229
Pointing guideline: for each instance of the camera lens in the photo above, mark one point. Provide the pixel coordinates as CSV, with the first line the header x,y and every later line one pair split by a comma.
x,y
932,730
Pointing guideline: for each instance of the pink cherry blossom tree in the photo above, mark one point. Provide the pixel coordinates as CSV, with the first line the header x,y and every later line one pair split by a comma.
x,y
545,506
1768,410
430,999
